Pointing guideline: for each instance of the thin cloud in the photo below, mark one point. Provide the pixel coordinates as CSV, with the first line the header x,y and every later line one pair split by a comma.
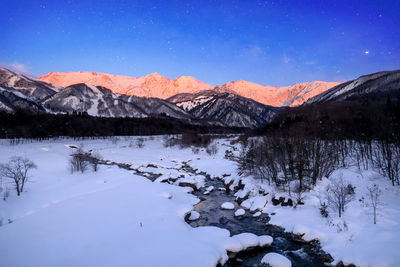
x,y
285,59
254,53
17,67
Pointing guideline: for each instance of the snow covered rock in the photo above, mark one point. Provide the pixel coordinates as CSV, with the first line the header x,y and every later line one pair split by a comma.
x,y
233,245
276,260
265,240
195,182
246,204
209,190
227,206
240,212
257,214
242,195
258,203
194,215
248,240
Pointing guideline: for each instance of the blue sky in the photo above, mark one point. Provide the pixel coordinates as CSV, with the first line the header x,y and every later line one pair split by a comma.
x,y
267,42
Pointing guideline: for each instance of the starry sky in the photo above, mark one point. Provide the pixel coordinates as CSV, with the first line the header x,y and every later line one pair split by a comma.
x,y
267,42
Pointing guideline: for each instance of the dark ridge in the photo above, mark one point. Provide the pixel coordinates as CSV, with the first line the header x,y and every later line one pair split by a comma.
x,y
356,120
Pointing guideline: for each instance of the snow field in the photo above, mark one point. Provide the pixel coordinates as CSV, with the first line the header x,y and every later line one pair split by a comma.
x,y
83,210
105,218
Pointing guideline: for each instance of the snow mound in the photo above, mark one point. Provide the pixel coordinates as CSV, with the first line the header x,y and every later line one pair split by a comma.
x,y
276,260
257,214
227,206
240,212
209,190
265,240
248,240
258,203
194,215
233,245
242,193
246,204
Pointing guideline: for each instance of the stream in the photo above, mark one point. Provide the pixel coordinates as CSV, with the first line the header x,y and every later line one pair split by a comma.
x,y
300,253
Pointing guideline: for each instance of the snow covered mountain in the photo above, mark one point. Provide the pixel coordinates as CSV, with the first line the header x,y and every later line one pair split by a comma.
x,y
12,100
100,101
239,103
156,85
152,85
25,86
293,95
377,87
226,106
221,107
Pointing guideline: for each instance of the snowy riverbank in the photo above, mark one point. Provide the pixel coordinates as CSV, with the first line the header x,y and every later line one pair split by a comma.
x,y
113,217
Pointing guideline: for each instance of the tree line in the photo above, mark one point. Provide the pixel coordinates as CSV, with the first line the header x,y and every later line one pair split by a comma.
x,y
25,124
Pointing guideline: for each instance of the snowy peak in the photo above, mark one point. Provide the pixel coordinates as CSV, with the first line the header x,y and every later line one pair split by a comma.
x,y
190,83
293,95
156,85
152,85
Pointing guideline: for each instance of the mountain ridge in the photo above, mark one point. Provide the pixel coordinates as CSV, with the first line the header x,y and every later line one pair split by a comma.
x,y
157,85
227,109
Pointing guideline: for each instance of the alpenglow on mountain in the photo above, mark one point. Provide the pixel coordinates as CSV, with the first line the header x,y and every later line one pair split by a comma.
x,y
237,104
156,85
21,92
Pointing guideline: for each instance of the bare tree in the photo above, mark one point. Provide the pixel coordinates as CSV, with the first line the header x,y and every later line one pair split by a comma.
x,y
212,149
79,161
339,194
322,158
17,170
95,159
363,153
140,142
387,160
257,159
374,195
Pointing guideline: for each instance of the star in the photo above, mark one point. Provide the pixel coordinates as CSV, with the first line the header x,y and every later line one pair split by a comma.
x,y
366,52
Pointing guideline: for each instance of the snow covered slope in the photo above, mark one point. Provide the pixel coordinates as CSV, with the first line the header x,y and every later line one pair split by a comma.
x,y
224,105
12,100
106,218
36,90
374,87
100,101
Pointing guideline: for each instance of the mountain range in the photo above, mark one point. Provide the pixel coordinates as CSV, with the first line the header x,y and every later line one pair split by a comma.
x,y
238,103
156,85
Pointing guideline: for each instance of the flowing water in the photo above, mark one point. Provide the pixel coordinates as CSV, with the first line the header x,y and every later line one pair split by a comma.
x,y
299,252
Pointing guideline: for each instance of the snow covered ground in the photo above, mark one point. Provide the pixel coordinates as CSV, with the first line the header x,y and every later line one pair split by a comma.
x,y
354,238
115,218
107,218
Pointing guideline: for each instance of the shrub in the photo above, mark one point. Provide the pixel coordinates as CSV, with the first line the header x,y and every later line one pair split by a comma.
x,y
212,149
323,209
79,161
140,142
